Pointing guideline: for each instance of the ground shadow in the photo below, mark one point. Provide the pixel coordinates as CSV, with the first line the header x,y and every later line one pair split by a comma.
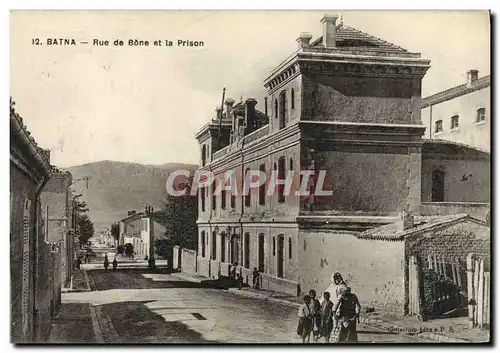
x,y
135,323
134,279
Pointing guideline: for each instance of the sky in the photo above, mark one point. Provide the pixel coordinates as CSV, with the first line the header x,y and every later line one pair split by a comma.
x,y
145,104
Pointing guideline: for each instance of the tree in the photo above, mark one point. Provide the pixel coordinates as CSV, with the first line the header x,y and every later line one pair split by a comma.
x,y
179,216
82,221
86,228
115,231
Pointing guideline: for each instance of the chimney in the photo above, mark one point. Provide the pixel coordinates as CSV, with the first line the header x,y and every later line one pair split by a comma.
x,y
218,111
471,77
329,30
406,221
303,40
229,106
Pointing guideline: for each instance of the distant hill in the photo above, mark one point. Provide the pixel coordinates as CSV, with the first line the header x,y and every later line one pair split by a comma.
x,y
117,187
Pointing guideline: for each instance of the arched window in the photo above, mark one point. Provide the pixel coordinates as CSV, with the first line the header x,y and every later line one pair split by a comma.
x,y
289,248
283,110
202,198
203,155
214,198
223,247
261,252
292,98
202,243
262,188
246,249
214,245
274,246
247,196
281,177
275,108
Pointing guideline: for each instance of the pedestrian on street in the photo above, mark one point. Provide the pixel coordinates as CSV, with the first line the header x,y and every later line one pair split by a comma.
x,y
233,271
256,278
106,263
315,309
115,264
326,317
346,311
305,320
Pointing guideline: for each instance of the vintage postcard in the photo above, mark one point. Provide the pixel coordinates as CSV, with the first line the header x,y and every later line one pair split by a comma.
x,y
284,177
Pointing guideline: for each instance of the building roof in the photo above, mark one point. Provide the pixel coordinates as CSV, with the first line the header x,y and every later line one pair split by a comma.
x,y
456,91
350,37
133,217
394,231
19,132
452,147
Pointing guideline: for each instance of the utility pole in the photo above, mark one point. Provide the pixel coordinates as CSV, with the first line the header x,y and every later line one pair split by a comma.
x,y
220,118
151,256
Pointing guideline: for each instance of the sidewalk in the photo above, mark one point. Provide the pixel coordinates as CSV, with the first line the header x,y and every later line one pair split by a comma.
x,y
80,282
449,330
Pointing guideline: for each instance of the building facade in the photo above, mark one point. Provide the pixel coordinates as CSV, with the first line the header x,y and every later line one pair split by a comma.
x,y
461,114
31,292
57,206
140,230
346,109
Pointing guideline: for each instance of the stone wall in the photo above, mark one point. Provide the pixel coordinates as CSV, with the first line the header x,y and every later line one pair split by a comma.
x,y
361,99
21,187
455,241
475,187
374,269
188,261
363,181
176,259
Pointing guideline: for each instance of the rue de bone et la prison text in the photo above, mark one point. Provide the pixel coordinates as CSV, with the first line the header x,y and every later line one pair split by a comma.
x,y
96,42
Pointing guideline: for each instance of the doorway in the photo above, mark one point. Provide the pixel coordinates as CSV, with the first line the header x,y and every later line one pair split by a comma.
x,y
437,186
281,253
261,253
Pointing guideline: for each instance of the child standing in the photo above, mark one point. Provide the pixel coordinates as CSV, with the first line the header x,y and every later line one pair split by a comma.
x,y
304,327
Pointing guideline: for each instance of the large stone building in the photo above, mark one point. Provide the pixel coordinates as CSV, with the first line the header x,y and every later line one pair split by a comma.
x,y
57,206
461,114
32,259
346,104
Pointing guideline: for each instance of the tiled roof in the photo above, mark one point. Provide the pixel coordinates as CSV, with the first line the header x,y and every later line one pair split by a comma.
x,y
351,37
456,91
394,232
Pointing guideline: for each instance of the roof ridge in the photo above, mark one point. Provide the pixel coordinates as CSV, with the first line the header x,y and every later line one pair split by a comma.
x,y
479,81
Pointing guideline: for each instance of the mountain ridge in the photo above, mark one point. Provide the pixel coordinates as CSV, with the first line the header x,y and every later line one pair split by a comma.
x,y
116,187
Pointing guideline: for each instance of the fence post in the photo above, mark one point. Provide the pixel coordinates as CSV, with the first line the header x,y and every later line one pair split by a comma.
x,y
429,259
486,298
476,289
480,294
418,304
470,287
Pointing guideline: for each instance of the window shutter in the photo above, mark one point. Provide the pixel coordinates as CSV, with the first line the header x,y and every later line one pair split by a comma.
x,y
26,266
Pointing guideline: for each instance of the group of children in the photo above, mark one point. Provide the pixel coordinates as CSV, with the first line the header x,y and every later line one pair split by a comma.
x,y
324,317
